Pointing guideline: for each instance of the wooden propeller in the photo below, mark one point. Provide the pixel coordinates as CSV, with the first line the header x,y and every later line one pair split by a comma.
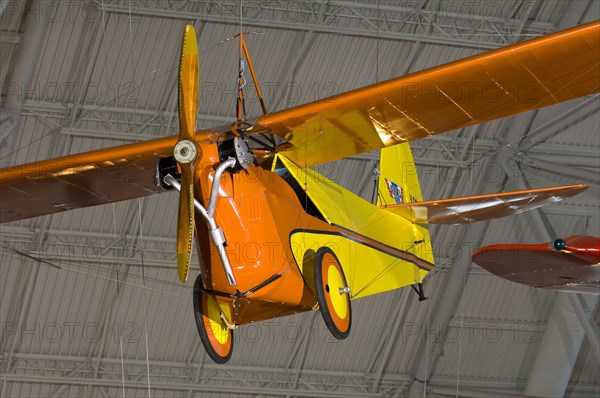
x,y
186,149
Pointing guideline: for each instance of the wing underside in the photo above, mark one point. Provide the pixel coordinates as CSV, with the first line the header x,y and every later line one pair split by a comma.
x,y
83,180
574,269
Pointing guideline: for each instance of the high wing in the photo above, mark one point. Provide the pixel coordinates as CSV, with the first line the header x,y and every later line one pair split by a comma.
x,y
510,80
483,207
514,79
83,180
569,265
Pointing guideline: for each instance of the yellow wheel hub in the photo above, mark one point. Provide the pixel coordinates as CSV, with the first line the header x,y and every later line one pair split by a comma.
x,y
335,283
218,327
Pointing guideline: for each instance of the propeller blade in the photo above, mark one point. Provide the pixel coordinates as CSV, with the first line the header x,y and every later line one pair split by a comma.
x,y
185,222
188,85
186,149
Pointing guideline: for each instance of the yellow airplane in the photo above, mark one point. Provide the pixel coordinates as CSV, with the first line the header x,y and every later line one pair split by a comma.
x,y
276,238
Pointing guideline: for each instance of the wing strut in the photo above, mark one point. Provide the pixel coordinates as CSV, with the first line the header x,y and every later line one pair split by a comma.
x,y
244,53
240,126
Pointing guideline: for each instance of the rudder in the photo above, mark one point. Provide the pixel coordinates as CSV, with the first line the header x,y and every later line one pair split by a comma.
x,y
398,182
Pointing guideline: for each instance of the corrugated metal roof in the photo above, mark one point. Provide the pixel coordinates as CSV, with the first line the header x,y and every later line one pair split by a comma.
x,y
105,77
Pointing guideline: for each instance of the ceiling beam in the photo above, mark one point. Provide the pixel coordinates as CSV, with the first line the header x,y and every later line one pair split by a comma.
x,y
102,382
74,370
229,14
562,338
10,37
584,306
446,303
589,107
567,170
64,107
87,56
290,70
449,298
28,273
67,370
387,343
452,12
557,353
563,335
4,5
8,229
29,51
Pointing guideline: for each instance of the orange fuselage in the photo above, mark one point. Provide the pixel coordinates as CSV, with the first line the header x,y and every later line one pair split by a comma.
x,y
257,211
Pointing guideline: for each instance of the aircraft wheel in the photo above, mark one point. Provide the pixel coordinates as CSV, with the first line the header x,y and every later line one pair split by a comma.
x,y
333,301
216,338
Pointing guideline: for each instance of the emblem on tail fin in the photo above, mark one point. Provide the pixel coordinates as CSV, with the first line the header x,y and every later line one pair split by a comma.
x,y
395,191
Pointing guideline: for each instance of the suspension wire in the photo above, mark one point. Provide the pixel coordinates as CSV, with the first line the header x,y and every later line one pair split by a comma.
x,y
8,247
141,237
131,54
377,44
462,299
241,82
144,299
65,267
377,40
116,243
388,267
117,265
427,325
306,205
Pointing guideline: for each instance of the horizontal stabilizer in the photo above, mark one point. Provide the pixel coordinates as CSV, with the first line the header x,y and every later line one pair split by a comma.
x,y
470,209
569,265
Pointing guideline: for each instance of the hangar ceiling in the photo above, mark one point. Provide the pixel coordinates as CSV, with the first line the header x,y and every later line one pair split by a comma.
x,y
113,320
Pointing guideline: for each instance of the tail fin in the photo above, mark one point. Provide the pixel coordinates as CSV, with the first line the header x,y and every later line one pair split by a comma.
x,y
398,182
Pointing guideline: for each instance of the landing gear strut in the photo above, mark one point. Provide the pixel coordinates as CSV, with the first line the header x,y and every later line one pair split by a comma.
x,y
237,156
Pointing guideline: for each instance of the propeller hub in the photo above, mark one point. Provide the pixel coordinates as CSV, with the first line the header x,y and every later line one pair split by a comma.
x,y
185,152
